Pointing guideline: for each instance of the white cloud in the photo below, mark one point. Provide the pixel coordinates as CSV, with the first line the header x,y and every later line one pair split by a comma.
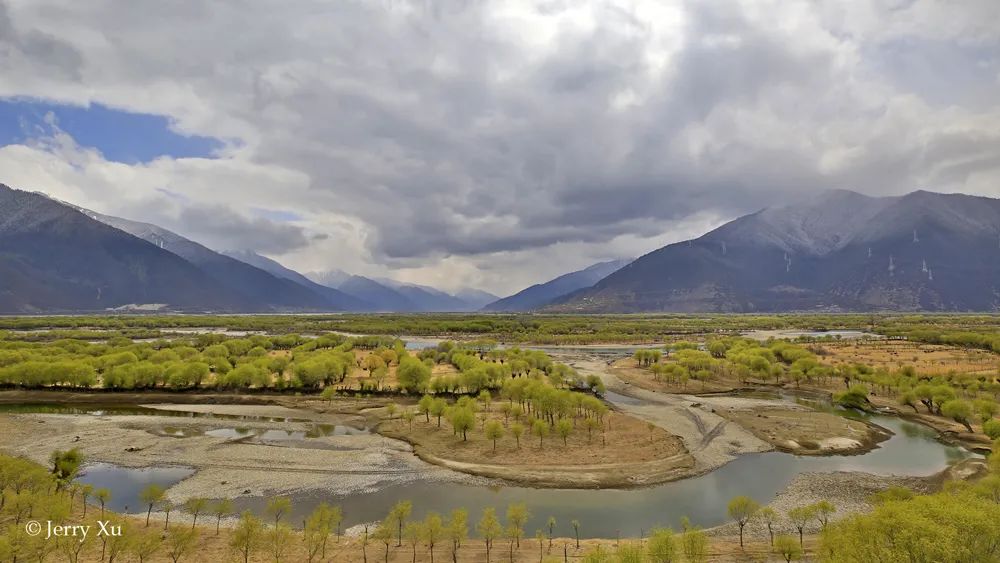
x,y
497,143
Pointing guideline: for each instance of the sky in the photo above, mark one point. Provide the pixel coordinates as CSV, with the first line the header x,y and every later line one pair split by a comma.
x,y
488,144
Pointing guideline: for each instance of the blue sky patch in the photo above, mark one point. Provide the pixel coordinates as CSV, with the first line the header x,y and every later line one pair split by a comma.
x,y
121,136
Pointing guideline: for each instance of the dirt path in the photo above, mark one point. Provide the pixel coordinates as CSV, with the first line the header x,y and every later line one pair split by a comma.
x,y
710,439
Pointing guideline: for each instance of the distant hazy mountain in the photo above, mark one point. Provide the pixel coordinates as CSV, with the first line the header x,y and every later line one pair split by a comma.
x,y
476,298
838,251
386,294
542,294
258,286
54,258
335,297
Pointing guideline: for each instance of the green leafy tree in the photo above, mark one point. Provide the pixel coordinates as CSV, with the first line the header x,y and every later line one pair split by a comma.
x,y
489,529
541,429
564,428
398,515
741,509
800,517
195,506
277,507
180,542
517,517
661,547
517,430
151,495
769,516
787,548
247,536
462,420
494,431
221,508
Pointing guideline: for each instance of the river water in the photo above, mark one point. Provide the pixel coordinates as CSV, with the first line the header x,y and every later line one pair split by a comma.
x,y
912,450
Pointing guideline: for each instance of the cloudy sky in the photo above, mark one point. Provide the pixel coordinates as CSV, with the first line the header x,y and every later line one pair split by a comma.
x,y
490,144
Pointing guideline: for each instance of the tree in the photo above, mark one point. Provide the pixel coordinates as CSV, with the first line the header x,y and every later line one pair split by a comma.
x,y
769,516
85,492
278,507
433,530
412,374
246,536
517,517
221,509
661,547
800,517
541,429
437,409
517,430
195,506
398,515
576,531
424,407
278,539
458,530
316,530
151,495
823,510
787,548
694,543
992,428
494,431
489,529
103,495
383,534
958,410
551,525
145,544
66,465
741,509
462,420
180,541
564,428
413,532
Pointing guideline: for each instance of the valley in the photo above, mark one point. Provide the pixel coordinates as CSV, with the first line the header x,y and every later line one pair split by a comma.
x,y
365,422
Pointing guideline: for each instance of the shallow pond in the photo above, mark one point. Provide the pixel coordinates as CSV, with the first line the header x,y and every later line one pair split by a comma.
x,y
125,483
95,409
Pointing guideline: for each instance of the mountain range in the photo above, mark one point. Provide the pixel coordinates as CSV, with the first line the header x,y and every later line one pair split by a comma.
x,y
833,251
542,294
58,257
839,251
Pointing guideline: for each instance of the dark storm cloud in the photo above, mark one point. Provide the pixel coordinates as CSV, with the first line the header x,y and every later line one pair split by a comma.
x,y
224,229
467,129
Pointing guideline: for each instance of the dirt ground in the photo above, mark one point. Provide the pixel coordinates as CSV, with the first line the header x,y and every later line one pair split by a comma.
x,y
626,370
894,354
353,549
628,452
807,432
228,466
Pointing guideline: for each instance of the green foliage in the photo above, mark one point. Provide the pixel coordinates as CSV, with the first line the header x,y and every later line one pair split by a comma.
x,y
946,527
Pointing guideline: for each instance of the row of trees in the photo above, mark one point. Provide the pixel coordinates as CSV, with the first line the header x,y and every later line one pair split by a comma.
x,y
968,399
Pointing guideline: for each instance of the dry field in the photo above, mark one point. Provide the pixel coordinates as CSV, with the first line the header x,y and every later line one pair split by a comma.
x,y
894,354
806,432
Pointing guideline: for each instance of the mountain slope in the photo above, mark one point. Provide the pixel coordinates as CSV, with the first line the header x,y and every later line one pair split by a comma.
x,y
542,294
256,285
55,258
334,297
839,251
476,299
